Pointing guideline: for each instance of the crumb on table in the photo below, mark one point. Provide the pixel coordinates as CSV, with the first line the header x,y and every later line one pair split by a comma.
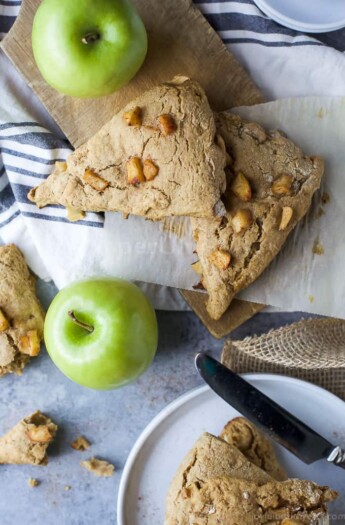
x,y
98,467
81,444
32,482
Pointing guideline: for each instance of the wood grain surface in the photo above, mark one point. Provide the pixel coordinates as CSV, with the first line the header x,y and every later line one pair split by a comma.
x,y
180,42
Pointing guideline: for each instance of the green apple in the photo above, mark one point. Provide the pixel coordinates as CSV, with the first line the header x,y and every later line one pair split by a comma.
x,y
88,48
101,333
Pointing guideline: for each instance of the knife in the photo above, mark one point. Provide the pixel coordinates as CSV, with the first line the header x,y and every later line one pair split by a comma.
x,y
266,414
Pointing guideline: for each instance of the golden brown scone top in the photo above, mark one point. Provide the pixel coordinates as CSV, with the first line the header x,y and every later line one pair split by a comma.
x,y
157,157
243,435
21,315
27,442
270,187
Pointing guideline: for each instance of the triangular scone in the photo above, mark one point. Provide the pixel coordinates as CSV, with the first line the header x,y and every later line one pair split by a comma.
x,y
27,442
21,315
158,157
270,187
209,458
230,501
254,445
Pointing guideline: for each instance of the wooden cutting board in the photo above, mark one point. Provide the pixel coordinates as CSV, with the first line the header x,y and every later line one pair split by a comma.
x,y
180,42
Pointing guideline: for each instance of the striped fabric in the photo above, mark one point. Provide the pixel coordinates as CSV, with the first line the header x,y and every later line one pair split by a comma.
x,y
281,61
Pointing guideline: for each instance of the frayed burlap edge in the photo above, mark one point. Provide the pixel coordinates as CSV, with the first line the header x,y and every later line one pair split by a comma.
x,y
313,350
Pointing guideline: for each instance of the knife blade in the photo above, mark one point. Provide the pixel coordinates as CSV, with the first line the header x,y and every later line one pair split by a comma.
x,y
266,414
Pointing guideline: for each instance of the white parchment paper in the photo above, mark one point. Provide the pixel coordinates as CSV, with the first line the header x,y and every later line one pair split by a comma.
x,y
299,279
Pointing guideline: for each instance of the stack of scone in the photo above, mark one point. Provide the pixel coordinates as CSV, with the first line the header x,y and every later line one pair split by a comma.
x,y
236,480
167,154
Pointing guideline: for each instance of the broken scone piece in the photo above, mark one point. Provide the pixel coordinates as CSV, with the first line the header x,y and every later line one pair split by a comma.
x,y
245,436
98,467
270,187
27,442
157,157
21,315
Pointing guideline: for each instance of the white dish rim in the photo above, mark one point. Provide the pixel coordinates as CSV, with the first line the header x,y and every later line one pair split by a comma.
x,y
295,24
187,396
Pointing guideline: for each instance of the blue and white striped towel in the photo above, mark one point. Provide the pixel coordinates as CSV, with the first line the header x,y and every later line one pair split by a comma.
x,y
282,62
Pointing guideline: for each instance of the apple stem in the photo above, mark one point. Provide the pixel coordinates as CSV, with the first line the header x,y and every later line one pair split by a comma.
x,y
86,326
91,37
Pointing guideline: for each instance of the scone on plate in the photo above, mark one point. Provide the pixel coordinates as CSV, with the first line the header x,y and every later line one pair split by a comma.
x,y
158,157
270,187
253,444
217,484
21,315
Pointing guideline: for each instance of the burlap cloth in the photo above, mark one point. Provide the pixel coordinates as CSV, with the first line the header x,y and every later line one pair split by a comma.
x,y
312,349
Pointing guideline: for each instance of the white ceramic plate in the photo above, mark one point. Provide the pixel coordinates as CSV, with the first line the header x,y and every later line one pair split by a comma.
x,y
157,453
308,16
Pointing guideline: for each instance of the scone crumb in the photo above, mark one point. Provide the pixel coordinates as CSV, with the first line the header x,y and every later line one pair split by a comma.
x,y
32,482
98,467
81,444
318,249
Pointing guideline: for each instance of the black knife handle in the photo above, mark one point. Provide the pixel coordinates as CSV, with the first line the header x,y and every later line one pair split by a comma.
x,y
337,456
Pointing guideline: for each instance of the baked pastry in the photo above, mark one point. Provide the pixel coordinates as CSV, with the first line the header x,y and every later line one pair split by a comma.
x,y
270,188
216,484
157,157
21,315
210,457
254,445
229,501
27,442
